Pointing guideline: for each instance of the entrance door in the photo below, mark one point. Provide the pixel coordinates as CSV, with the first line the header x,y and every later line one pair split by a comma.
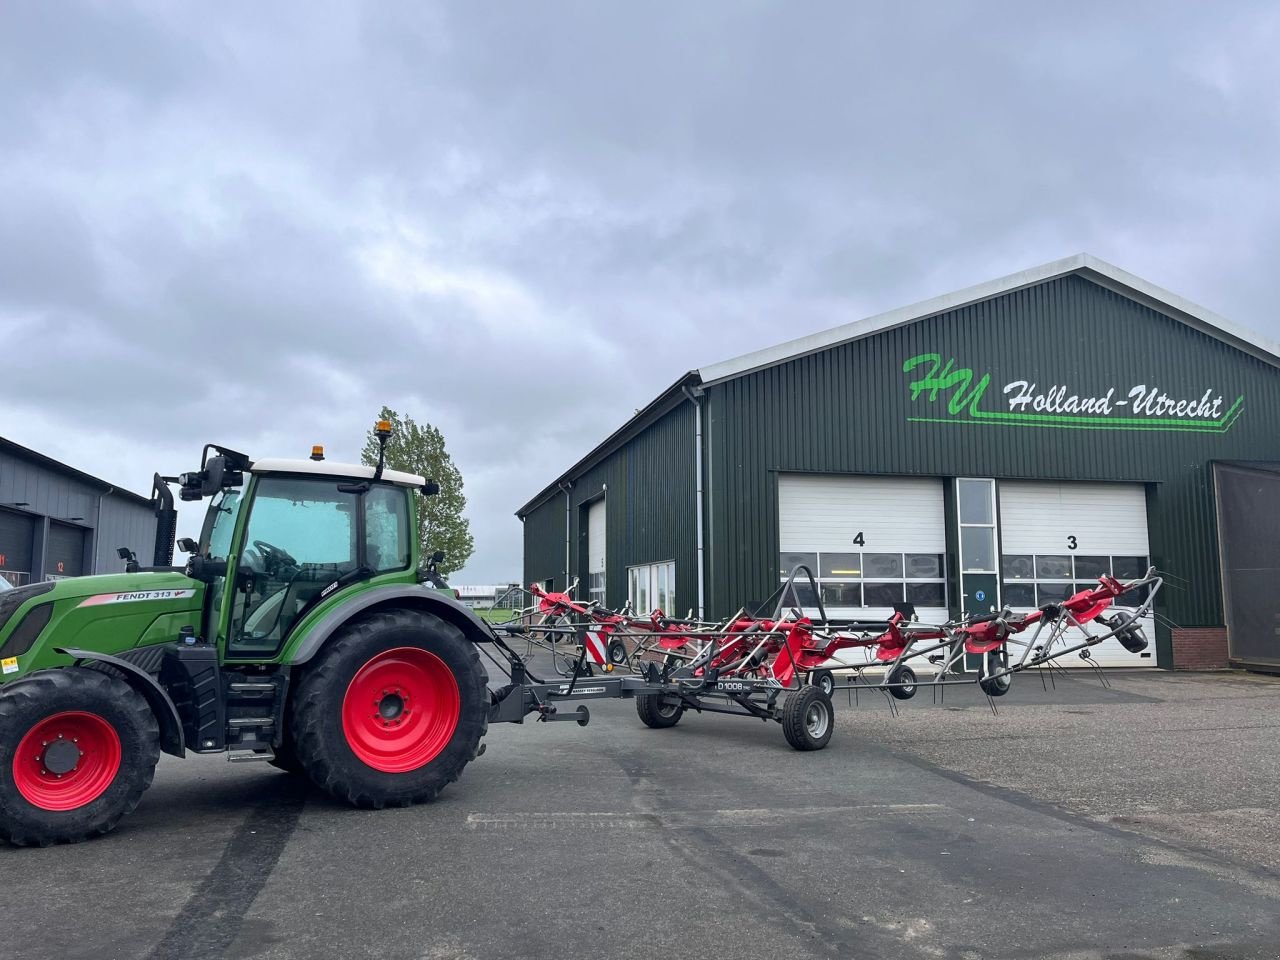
x,y
1056,538
17,537
1249,540
871,542
596,544
64,556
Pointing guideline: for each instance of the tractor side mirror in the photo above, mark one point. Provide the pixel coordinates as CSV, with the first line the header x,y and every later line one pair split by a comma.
x,y
437,556
187,545
430,489
124,553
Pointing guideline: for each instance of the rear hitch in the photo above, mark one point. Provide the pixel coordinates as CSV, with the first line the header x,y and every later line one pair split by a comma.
x,y
547,713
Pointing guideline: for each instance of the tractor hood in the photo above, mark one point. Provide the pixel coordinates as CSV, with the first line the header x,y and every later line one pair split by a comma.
x,y
106,614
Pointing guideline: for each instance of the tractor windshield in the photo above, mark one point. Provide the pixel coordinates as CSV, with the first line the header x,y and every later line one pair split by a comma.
x,y
303,535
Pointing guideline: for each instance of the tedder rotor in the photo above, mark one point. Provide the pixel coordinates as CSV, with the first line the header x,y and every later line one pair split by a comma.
x,y
305,630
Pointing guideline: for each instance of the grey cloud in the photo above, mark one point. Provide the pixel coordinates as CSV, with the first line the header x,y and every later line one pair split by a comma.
x,y
260,223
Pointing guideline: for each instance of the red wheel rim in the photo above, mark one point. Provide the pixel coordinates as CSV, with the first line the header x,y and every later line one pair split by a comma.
x,y
67,760
401,709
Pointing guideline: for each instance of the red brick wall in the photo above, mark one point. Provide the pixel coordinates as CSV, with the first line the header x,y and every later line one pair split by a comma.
x,y
1199,648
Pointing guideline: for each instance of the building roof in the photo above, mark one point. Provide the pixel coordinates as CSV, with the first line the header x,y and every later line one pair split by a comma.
x,y
57,466
331,468
1081,264
664,403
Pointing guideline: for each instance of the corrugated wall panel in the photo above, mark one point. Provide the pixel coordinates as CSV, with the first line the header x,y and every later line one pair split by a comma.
x,y
544,543
650,515
848,409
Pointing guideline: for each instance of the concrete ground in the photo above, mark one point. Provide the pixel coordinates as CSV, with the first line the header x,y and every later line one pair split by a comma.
x,y
1134,822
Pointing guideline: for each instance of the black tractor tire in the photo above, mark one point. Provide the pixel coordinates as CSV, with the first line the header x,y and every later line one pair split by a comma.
x,y
903,683
997,686
808,719
336,738
657,711
78,699
286,756
617,653
825,680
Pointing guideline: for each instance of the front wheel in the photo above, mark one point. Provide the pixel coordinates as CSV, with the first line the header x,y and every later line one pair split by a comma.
x,y
77,750
392,711
808,718
902,683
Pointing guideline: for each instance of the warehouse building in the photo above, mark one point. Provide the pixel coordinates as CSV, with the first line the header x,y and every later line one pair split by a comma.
x,y
56,521
1000,445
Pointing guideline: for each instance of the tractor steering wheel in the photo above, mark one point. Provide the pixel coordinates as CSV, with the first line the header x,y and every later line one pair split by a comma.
x,y
271,554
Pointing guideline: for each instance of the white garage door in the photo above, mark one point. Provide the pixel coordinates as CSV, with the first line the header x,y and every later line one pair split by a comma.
x,y
1056,538
596,551
871,542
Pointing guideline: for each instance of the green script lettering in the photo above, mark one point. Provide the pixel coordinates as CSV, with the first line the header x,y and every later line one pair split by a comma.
x,y
945,379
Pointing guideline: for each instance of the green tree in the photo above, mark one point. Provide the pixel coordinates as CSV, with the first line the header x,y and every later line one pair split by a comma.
x,y
419,448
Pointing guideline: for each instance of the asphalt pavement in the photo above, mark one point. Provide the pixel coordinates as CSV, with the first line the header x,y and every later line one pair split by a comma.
x,y
1078,822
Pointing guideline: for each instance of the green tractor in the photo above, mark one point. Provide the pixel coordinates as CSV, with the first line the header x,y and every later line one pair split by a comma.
x,y
301,632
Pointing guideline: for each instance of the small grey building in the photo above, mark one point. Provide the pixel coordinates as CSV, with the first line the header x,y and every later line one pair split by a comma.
x,y
1001,445
57,521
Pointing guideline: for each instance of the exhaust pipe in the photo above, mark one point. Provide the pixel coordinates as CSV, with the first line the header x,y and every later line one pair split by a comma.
x,y
166,521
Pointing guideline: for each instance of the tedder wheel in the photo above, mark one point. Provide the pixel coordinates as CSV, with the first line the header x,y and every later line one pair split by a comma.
x,y
658,712
997,686
807,718
902,683
617,653
824,679
77,750
392,710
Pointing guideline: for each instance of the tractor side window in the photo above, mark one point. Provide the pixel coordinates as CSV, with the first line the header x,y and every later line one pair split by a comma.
x,y
386,526
302,535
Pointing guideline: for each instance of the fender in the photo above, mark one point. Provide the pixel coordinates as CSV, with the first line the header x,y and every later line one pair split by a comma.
x,y
447,608
171,739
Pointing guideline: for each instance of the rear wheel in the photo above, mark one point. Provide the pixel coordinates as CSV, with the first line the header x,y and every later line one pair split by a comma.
x,y
808,718
77,750
393,710
658,711
617,653
994,686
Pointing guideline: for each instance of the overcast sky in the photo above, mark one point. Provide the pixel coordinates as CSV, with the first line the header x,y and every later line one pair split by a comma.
x,y
256,223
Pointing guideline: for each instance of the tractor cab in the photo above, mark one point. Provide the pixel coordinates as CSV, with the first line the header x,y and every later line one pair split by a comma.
x,y
281,536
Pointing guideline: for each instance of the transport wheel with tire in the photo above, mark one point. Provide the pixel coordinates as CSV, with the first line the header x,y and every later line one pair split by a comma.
x,y
902,683
994,686
617,653
658,711
77,750
392,710
808,718
824,680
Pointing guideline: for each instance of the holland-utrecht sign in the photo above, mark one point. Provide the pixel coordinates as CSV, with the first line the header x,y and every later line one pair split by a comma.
x,y
958,395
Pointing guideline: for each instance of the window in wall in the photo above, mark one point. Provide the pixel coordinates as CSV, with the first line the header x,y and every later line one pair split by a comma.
x,y
652,586
976,499
866,579
1032,580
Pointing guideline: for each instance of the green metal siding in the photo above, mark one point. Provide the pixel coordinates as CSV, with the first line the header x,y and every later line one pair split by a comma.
x,y
650,512
544,543
846,409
